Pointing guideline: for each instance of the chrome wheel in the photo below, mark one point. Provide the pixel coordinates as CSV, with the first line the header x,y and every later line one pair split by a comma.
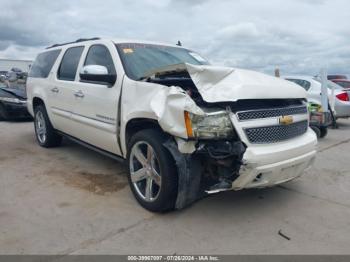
x,y
145,171
40,127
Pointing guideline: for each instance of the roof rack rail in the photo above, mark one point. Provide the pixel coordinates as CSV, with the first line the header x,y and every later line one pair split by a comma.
x,y
77,41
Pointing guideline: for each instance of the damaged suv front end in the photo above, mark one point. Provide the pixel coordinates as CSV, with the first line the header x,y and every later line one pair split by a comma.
x,y
228,128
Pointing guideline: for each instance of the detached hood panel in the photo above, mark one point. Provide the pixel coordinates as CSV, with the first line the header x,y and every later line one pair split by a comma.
x,y
221,84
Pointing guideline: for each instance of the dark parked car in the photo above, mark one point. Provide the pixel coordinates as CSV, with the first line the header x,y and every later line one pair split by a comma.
x,y
13,102
4,73
342,82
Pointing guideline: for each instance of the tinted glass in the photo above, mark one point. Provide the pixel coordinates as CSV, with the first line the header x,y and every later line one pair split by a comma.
x,y
69,64
140,59
303,83
330,84
99,55
344,84
43,64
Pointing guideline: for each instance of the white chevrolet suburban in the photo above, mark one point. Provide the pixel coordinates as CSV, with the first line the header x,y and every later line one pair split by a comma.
x,y
185,128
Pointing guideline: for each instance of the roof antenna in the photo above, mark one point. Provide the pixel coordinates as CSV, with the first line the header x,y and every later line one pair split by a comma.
x,y
179,43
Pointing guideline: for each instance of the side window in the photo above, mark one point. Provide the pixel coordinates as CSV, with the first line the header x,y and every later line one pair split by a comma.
x,y
43,64
99,55
343,84
69,63
303,83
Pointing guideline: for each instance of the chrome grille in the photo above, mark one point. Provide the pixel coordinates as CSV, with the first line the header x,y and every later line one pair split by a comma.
x,y
266,113
271,134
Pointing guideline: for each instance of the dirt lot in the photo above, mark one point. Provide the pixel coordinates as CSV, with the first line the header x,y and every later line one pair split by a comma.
x,y
70,200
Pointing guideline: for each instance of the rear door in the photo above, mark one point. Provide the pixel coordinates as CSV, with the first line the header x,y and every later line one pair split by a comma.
x,y
62,92
96,104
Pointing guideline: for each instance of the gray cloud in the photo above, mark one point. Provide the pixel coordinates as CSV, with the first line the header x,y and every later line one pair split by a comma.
x,y
298,36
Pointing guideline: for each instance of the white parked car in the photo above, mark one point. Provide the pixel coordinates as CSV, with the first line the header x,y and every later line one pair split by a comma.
x,y
184,127
313,87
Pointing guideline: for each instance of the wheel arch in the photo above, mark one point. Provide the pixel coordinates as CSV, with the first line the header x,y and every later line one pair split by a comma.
x,y
137,124
37,101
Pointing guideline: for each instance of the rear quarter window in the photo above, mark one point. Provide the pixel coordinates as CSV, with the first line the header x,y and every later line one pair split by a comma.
x,y
43,64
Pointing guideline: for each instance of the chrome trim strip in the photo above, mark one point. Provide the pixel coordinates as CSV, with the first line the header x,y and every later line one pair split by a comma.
x,y
268,110
63,112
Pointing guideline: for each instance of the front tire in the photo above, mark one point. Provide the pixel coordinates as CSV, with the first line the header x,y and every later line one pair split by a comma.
x,y
152,171
44,131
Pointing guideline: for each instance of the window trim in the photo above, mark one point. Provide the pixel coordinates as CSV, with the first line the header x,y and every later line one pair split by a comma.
x,y
59,67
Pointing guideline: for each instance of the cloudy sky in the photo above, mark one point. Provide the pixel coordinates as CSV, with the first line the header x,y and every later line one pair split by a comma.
x,y
298,36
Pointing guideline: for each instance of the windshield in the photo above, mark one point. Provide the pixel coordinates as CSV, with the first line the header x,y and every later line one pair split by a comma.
x,y
140,59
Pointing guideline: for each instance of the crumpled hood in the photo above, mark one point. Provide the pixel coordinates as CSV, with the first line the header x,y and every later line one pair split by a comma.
x,y
220,84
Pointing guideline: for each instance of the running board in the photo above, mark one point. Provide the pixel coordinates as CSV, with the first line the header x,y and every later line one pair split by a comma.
x,y
91,147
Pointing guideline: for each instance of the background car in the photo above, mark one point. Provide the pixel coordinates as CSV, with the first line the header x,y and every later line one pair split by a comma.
x,y
319,120
18,73
13,102
4,73
332,77
342,82
313,87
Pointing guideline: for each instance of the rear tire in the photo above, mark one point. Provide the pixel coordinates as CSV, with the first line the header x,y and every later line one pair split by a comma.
x,y
152,171
317,131
324,132
44,131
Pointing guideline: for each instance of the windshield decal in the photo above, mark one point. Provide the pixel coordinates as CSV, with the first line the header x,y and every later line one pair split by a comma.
x,y
197,57
128,50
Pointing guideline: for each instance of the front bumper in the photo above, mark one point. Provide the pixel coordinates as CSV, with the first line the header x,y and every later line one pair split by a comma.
x,y
16,110
273,164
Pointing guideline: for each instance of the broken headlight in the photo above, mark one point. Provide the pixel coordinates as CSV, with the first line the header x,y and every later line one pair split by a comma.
x,y
209,126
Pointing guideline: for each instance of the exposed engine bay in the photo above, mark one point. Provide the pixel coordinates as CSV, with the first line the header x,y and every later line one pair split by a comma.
x,y
215,163
219,160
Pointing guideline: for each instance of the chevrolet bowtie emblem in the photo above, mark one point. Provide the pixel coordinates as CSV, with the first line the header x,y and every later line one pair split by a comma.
x,y
286,120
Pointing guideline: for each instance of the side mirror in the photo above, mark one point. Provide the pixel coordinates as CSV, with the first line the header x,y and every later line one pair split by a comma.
x,y
97,74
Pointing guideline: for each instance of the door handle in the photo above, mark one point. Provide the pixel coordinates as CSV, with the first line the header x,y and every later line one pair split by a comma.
x,y
79,94
55,90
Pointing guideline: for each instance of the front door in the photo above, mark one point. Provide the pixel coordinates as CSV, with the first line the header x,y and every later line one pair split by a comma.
x,y
96,104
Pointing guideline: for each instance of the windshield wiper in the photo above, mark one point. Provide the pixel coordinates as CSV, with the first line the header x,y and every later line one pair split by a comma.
x,y
143,78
